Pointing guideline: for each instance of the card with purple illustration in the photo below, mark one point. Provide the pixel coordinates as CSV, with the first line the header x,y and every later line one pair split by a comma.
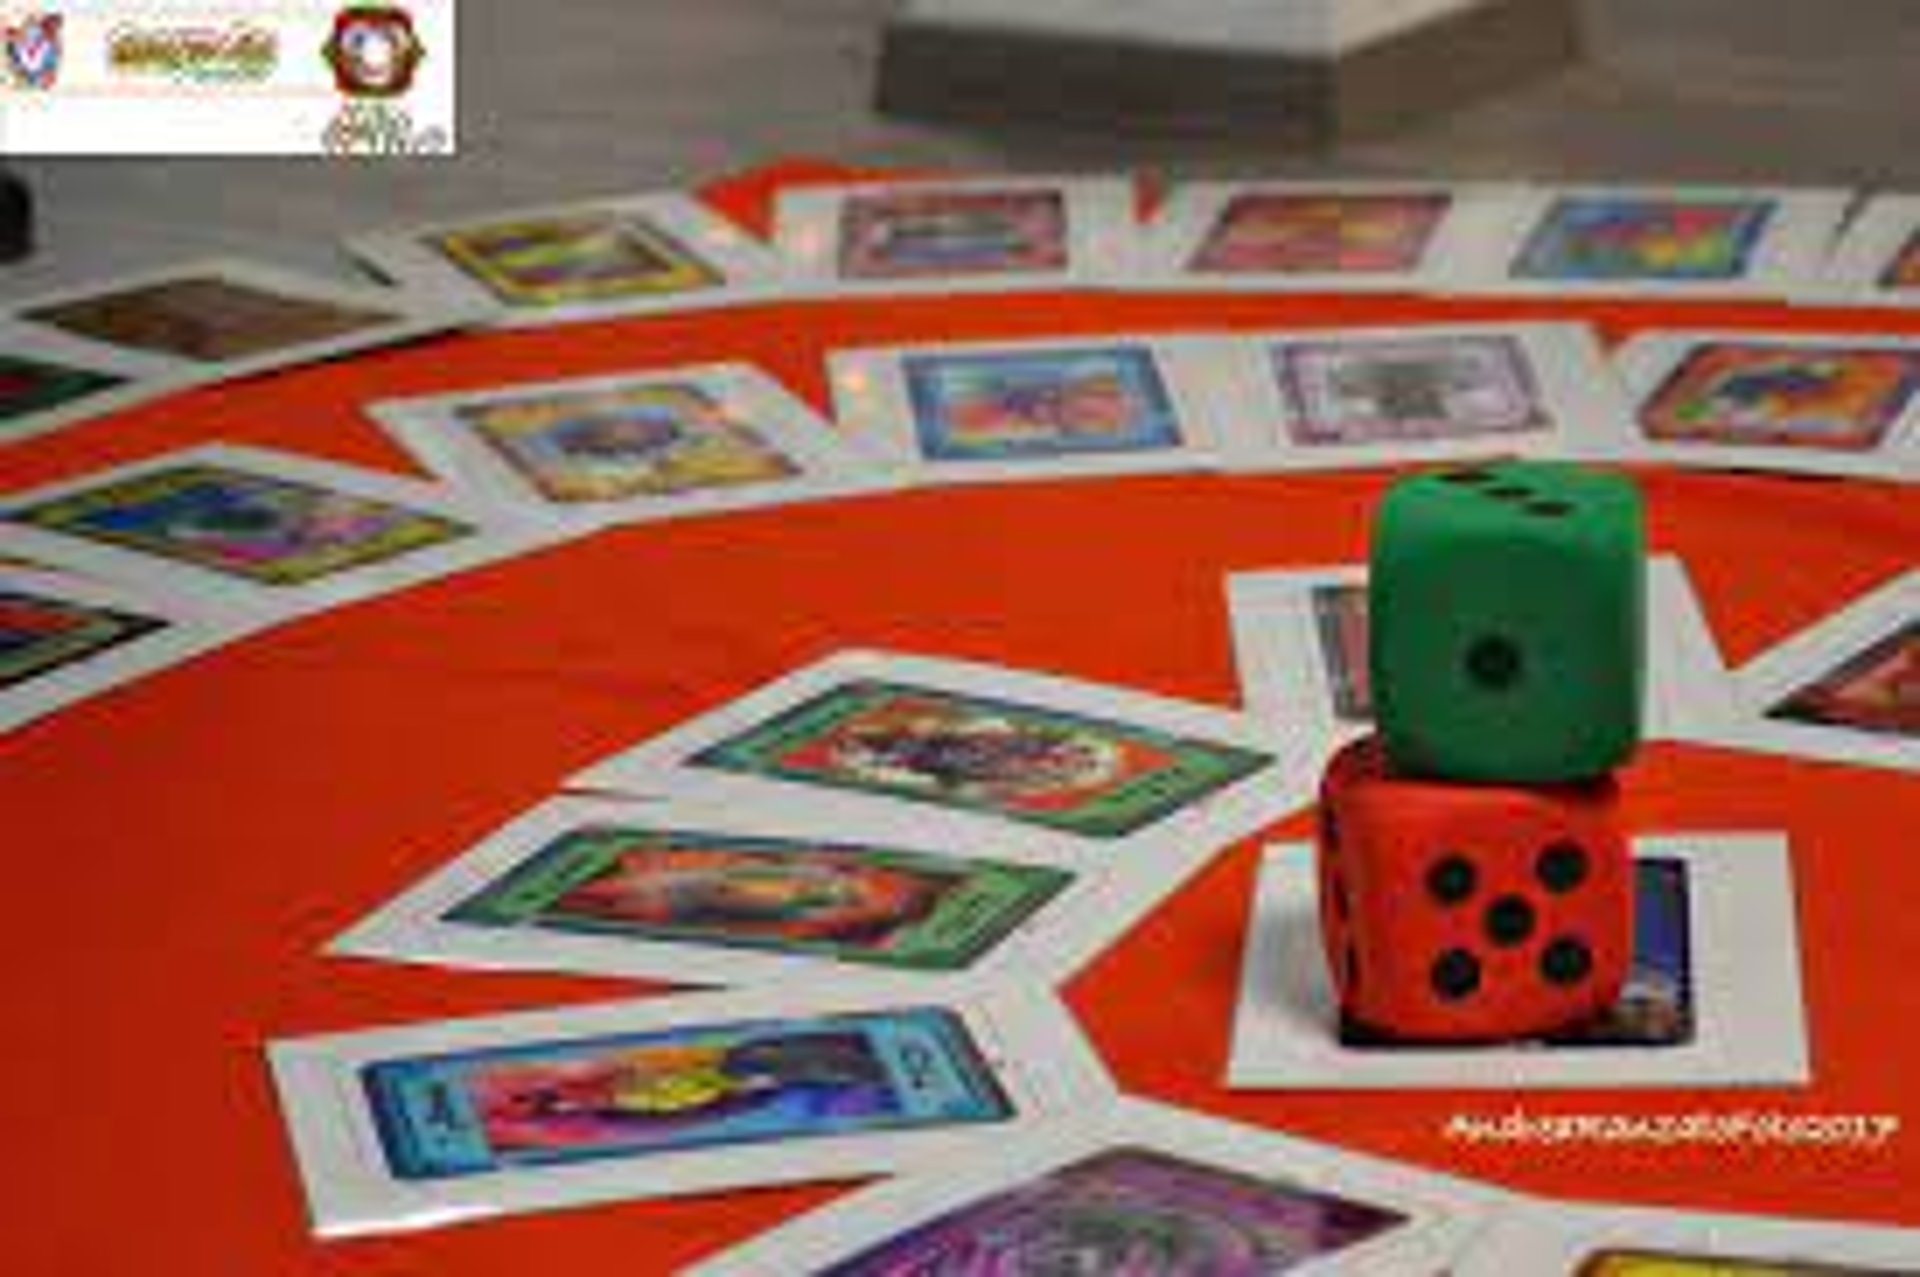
x,y
1591,1240
1362,397
624,255
1040,410
634,447
1300,643
1333,236
257,531
1675,241
464,1119
1877,261
65,638
227,318
993,234
1840,404
1847,688
701,893
1713,998
1136,1184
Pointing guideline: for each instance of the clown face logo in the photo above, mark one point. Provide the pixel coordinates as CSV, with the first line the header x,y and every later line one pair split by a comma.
x,y
33,51
374,51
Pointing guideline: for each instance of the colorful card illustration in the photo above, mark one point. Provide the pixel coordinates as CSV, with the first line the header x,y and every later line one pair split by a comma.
x,y
665,1097
1703,1005
1134,1187
1417,390
1634,237
1903,272
1785,395
643,1094
1847,688
1664,1263
208,318
1322,233
884,907
906,233
987,407
39,633
1340,623
587,256
29,387
1124,1209
1093,777
260,527
986,235
1656,1006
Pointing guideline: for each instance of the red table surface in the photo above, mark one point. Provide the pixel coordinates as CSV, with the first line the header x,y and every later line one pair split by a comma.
x,y
180,850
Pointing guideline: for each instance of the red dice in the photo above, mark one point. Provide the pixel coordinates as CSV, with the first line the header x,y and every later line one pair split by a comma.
x,y
1469,913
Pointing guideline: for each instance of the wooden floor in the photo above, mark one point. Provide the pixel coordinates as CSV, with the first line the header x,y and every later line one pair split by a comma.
x,y
595,96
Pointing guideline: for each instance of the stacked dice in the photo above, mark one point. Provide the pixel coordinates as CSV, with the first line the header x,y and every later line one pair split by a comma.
x,y
1475,883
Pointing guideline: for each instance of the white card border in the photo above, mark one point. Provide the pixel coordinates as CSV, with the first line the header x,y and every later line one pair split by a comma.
x,y
431,429
1040,1057
1444,1212
1576,383
1750,1020
1788,254
1867,249
147,377
751,270
1101,223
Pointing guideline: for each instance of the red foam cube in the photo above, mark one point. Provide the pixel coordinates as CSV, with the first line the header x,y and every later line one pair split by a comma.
x,y
1470,913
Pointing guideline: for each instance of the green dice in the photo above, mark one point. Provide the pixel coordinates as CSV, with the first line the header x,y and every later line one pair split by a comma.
x,y
1508,622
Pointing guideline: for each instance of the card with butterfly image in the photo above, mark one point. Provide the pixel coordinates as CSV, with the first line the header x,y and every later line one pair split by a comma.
x,y
1712,999
1135,1182
440,1123
893,744
1336,235
1846,688
1839,403
972,235
49,381
1679,241
592,259
1593,1240
1300,644
995,411
634,447
723,894
257,531
1387,396
224,318
65,637
1877,261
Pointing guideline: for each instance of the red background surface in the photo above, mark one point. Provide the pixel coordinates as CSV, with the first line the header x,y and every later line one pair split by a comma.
x,y
178,852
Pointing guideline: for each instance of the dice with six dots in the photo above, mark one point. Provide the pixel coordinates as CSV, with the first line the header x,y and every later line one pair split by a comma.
x,y
1507,604
1464,913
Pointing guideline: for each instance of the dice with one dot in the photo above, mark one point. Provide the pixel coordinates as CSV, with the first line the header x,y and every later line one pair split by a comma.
x,y
1507,612
1470,913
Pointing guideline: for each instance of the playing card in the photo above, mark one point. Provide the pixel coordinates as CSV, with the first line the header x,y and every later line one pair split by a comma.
x,y
48,381
1034,410
65,637
633,447
1675,241
1358,397
1844,689
256,531
1621,1241
1713,998
440,1123
1299,236
1841,404
1877,261
1300,642
1134,1187
629,255
692,893
224,318
990,234
913,743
